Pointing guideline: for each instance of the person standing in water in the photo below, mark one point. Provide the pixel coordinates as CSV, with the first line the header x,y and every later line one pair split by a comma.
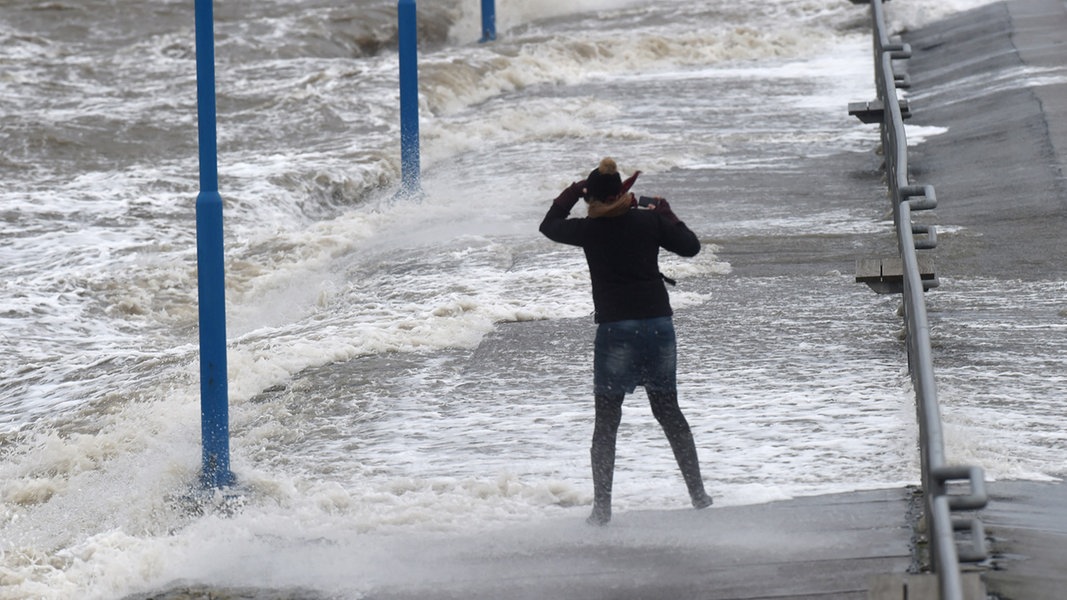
x,y
635,340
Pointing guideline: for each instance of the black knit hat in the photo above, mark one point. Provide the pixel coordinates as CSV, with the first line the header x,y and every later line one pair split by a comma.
x,y
604,181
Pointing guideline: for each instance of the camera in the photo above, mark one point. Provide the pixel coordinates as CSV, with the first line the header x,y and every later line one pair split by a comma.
x,y
646,202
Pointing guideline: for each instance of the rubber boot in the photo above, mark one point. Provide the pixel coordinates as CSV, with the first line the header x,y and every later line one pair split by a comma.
x,y
603,460
685,453
602,456
676,428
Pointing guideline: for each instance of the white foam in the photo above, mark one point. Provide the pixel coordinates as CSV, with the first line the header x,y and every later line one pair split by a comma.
x,y
467,77
100,420
513,13
917,134
912,15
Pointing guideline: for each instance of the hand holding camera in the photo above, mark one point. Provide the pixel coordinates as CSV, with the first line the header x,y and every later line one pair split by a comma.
x,y
657,205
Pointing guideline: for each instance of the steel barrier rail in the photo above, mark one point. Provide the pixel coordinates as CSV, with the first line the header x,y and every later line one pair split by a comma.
x,y
889,111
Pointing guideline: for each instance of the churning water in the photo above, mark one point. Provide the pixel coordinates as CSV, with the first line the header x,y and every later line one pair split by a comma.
x,y
400,367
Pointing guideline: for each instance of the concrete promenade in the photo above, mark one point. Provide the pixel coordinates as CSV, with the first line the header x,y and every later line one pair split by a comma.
x,y
1009,144
1001,170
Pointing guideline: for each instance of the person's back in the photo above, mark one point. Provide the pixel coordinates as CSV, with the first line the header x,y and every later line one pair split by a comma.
x,y
635,341
621,246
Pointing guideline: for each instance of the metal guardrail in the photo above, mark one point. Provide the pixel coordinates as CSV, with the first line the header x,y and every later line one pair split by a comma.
x,y
890,111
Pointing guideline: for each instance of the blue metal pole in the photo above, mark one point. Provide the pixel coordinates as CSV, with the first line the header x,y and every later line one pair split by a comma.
x,y
488,21
211,280
409,96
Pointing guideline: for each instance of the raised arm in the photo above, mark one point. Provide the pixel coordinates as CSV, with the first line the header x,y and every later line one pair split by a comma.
x,y
555,226
675,236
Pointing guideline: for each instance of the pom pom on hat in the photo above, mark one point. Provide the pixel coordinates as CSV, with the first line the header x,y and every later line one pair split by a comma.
x,y
604,181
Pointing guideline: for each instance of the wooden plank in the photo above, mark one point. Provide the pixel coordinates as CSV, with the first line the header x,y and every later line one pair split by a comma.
x,y
890,269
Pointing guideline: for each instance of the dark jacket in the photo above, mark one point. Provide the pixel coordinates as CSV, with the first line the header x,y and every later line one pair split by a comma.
x,y
623,256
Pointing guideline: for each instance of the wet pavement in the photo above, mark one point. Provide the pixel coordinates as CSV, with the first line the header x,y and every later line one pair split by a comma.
x,y
999,176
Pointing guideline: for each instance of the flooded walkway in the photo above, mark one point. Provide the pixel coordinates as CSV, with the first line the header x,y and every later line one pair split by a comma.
x,y
1002,152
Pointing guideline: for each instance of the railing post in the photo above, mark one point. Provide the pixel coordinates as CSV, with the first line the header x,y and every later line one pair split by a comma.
x,y
488,21
214,401
409,96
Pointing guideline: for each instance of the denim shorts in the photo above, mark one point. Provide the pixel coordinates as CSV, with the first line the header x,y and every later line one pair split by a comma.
x,y
627,354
